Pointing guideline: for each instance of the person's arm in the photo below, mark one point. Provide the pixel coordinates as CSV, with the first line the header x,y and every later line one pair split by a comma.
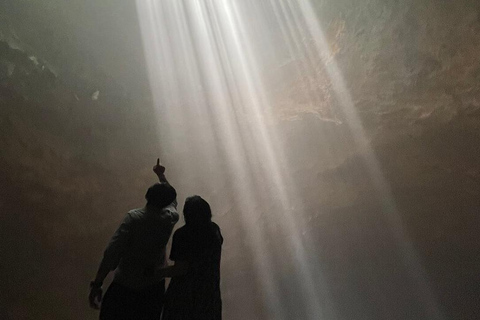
x,y
111,258
113,252
160,171
180,268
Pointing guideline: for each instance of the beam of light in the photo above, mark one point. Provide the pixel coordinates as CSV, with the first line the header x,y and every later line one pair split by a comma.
x,y
412,261
280,179
214,113
188,36
271,153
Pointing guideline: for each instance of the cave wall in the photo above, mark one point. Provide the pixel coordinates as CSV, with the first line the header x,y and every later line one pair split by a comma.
x,y
407,65
66,161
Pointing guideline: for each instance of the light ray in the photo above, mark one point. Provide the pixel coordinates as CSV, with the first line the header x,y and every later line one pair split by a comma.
x,y
214,109
382,187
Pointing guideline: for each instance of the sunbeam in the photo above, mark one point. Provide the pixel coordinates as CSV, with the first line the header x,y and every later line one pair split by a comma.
x,y
382,188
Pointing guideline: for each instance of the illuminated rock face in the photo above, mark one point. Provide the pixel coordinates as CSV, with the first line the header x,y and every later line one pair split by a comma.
x,y
73,161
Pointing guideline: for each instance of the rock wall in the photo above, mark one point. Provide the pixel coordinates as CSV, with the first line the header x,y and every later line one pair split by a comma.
x,y
70,160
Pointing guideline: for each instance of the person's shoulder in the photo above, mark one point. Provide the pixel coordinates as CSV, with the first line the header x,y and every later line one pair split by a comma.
x,y
215,226
170,209
181,232
217,232
171,213
136,214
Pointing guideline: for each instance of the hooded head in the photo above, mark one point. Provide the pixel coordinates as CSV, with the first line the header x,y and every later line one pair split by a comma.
x,y
197,211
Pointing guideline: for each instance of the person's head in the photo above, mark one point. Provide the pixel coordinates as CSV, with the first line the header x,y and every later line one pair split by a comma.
x,y
160,195
196,211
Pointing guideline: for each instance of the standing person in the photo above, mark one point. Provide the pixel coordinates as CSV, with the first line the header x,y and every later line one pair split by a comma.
x,y
136,250
194,291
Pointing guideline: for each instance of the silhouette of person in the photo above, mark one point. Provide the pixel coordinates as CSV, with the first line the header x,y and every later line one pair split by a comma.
x,y
194,290
135,251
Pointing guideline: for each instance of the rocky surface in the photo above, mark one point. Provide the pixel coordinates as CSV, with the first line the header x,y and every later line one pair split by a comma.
x,y
77,140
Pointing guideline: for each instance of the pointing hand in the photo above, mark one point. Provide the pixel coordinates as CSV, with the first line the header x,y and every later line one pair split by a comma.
x,y
158,168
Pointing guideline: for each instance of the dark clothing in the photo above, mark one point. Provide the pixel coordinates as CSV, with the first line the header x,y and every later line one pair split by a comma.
x,y
135,251
138,246
196,295
123,303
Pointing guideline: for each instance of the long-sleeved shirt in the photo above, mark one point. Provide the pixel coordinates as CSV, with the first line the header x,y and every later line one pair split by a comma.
x,y
138,247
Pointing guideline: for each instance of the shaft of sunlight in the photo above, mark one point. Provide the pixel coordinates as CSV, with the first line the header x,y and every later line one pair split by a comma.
x,y
214,117
412,261
194,67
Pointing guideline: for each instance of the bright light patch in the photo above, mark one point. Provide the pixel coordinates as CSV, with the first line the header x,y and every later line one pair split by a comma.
x,y
205,61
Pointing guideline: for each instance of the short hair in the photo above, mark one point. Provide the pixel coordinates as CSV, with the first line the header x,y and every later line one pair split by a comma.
x,y
197,211
160,195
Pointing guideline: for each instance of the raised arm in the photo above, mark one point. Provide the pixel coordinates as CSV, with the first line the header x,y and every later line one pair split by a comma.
x,y
160,171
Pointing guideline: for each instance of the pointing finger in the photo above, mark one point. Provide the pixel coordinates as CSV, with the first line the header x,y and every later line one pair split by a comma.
x,y
158,161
